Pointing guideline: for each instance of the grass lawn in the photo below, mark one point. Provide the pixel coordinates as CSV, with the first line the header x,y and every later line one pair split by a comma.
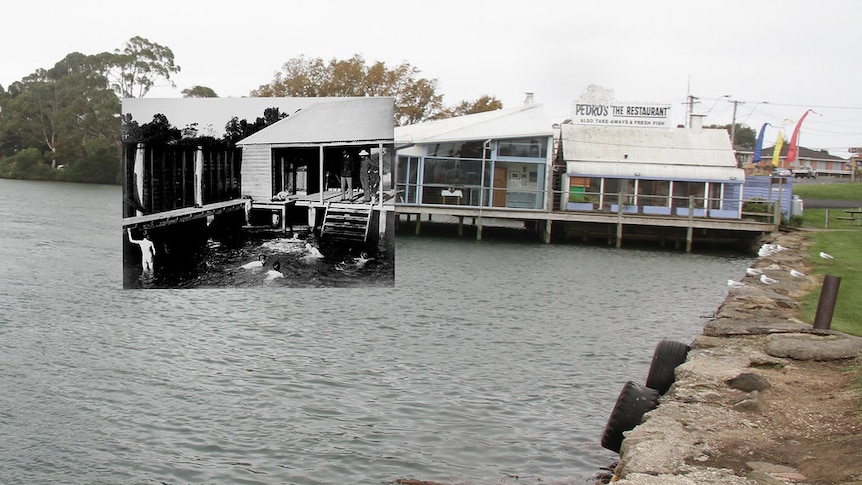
x,y
843,241
842,191
846,247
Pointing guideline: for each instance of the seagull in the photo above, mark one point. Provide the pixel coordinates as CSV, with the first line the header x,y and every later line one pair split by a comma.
x,y
753,271
826,255
255,264
735,284
275,272
796,274
766,280
770,249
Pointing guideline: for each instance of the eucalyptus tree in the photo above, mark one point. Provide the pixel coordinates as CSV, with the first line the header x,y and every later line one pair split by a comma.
x,y
58,110
138,67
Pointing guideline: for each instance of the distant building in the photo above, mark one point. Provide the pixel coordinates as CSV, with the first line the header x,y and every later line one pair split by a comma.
x,y
820,160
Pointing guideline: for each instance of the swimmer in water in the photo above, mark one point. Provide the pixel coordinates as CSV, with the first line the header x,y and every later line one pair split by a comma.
x,y
313,252
275,272
362,259
148,251
255,264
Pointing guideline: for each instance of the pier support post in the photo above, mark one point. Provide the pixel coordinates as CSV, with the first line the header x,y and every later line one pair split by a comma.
x,y
139,177
418,224
199,177
689,233
826,304
460,225
479,229
619,220
546,237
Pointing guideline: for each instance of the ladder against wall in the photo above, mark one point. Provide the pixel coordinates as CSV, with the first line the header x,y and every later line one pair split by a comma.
x,y
347,222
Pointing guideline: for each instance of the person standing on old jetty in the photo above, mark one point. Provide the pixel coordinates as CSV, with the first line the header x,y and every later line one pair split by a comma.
x,y
346,176
366,169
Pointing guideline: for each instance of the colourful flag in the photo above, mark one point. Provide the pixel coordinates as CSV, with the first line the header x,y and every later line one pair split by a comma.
x,y
776,150
791,150
758,147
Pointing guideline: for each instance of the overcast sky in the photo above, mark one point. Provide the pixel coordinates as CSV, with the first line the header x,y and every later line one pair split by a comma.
x,y
776,58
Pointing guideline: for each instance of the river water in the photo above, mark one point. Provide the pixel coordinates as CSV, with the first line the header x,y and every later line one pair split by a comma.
x,y
487,360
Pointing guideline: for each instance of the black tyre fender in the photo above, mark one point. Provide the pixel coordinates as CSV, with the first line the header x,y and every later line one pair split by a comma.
x,y
667,356
633,402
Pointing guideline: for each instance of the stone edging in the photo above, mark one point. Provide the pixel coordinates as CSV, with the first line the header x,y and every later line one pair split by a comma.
x,y
718,396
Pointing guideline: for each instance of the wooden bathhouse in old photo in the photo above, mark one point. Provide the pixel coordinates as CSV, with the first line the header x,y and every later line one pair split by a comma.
x,y
295,165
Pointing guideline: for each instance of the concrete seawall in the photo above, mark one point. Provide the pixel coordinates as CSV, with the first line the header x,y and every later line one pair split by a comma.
x,y
762,398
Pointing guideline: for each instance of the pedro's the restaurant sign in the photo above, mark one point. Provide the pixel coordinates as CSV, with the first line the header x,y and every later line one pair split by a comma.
x,y
643,115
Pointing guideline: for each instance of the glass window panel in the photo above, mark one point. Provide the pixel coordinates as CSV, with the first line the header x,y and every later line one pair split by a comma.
x,y
447,172
653,192
715,191
523,147
458,149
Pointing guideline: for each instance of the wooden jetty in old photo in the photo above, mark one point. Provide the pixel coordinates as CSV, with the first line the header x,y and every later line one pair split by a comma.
x,y
296,165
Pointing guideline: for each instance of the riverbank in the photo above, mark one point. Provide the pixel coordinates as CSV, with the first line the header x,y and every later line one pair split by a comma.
x,y
762,398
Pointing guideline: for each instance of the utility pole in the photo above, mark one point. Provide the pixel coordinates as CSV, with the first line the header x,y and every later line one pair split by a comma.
x,y
690,104
733,124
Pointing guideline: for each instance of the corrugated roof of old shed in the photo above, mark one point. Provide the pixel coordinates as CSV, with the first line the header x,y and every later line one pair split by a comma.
x,y
339,120
529,120
669,146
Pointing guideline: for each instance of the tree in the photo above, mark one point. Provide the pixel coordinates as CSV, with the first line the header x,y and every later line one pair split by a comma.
x,y
26,164
199,92
99,163
416,99
484,103
133,71
59,109
160,130
744,137
236,129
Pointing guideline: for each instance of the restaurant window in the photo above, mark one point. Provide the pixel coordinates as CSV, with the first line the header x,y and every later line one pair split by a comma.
x,y
449,172
407,179
683,190
523,147
457,149
654,192
715,195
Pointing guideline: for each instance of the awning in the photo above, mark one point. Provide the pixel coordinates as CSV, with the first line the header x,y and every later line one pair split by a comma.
x,y
654,171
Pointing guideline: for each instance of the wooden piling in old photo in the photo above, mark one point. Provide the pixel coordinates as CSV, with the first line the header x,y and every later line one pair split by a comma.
x,y
826,304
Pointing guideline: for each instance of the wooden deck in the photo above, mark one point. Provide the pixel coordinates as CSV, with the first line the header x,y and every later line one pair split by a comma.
x,y
165,218
612,221
315,200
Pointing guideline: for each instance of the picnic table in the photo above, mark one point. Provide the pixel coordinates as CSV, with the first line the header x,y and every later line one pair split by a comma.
x,y
853,215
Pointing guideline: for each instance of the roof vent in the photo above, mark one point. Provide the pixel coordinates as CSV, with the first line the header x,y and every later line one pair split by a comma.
x,y
529,99
696,122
